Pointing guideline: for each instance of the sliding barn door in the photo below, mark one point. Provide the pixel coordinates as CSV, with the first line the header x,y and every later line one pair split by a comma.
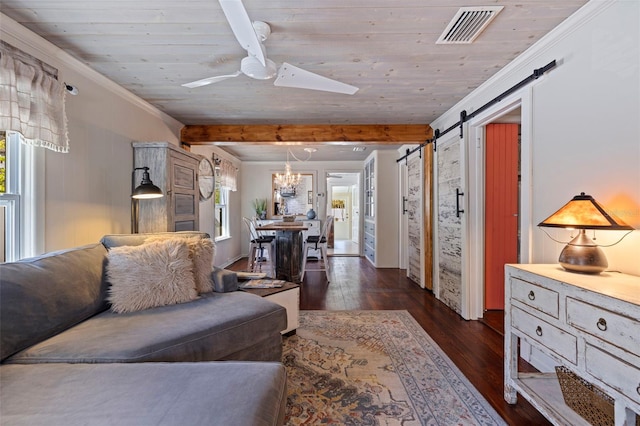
x,y
413,206
501,209
450,187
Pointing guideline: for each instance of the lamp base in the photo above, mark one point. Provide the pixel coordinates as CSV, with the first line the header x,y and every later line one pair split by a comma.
x,y
583,255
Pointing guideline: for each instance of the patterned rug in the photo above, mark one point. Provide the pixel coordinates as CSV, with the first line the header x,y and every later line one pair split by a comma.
x,y
375,368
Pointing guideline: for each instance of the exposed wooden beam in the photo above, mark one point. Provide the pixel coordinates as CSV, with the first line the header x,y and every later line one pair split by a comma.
x,y
267,134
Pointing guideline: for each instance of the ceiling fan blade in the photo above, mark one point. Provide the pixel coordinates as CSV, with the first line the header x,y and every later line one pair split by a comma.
x,y
243,28
210,80
292,76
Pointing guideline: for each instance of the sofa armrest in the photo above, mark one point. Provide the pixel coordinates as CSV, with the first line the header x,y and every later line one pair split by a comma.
x,y
224,280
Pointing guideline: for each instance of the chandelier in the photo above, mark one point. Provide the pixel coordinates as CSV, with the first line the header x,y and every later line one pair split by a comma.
x,y
287,183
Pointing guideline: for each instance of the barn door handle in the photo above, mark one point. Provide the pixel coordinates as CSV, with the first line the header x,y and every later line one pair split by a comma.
x,y
404,204
458,195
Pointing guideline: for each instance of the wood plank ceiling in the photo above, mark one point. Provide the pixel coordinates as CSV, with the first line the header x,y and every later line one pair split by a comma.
x,y
385,47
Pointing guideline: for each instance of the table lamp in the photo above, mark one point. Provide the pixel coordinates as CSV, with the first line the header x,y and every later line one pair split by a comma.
x,y
583,212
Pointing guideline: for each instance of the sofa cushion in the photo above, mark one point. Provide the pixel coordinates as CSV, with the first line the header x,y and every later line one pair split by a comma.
x,y
207,393
155,274
42,296
216,326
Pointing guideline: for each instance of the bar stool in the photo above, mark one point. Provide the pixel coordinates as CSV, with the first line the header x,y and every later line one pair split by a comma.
x,y
257,246
316,242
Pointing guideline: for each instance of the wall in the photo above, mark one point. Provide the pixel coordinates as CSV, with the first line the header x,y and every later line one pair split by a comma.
x,y
228,250
87,191
586,136
255,178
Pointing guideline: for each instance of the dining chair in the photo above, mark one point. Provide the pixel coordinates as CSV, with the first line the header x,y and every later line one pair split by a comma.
x,y
317,242
261,233
257,245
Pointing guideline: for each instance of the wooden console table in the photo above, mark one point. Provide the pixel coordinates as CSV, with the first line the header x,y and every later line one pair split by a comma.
x,y
288,249
589,324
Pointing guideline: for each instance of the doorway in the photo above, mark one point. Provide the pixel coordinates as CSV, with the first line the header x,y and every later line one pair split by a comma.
x,y
501,206
343,199
513,110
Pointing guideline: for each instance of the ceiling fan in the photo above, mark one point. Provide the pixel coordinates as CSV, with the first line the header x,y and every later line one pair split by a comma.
x,y
256,64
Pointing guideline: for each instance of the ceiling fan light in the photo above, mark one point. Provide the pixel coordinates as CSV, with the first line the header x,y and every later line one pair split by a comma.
x,y
262,29
252,67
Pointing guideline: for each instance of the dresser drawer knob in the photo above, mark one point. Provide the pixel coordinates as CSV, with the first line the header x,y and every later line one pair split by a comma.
x,y
532,295
539,331
602,324
638,389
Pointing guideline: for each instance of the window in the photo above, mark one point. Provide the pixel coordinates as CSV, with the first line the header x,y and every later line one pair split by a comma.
x,y
21,198
9,196
221,208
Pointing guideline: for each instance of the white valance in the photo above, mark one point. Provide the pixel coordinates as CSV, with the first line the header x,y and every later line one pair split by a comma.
x,y
32,100
228,175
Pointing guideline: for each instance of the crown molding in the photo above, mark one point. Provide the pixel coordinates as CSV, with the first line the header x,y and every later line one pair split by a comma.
x,y
21,37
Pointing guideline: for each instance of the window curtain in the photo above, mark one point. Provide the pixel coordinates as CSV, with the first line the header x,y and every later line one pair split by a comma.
x,y
228,175
32,100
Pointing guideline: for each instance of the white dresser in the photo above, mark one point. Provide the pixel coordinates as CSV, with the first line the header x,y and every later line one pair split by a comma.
x,y
587,323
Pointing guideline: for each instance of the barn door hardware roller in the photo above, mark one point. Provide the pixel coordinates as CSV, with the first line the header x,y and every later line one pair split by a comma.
x,y
464,116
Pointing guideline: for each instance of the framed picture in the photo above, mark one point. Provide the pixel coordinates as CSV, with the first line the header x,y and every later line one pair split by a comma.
x,y
309,197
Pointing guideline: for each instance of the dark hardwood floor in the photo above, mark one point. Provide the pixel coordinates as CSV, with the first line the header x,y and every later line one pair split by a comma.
x,y
476,347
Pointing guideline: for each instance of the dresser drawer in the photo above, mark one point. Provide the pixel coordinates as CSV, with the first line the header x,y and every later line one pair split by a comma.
x,y
615,372
611,327
369,228
539,298
370,254
553,338
369,239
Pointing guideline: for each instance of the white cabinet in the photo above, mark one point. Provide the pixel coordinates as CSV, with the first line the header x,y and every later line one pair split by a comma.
x,y
369,240
369,187
381,209
589,324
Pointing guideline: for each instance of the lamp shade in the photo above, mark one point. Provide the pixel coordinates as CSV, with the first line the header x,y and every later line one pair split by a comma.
x,y
146,189
583,212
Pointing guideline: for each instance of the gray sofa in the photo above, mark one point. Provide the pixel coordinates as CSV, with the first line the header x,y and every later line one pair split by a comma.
x,y
68,359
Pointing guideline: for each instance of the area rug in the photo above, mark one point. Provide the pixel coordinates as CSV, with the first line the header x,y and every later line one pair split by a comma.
x,y
375,368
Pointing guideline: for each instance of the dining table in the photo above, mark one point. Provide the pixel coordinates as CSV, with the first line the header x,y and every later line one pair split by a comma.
x,y
289,244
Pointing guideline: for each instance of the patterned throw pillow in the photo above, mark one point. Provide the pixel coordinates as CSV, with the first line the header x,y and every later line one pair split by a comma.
x,y
155,274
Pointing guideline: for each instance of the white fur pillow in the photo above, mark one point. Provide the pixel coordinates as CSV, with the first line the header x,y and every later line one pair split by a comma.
x,y
201,251
155,274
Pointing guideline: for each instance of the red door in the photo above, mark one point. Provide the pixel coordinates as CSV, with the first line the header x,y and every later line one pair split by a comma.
x,y
501,209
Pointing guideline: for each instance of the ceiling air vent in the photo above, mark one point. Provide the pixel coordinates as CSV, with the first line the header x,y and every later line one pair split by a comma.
x,y
468,23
